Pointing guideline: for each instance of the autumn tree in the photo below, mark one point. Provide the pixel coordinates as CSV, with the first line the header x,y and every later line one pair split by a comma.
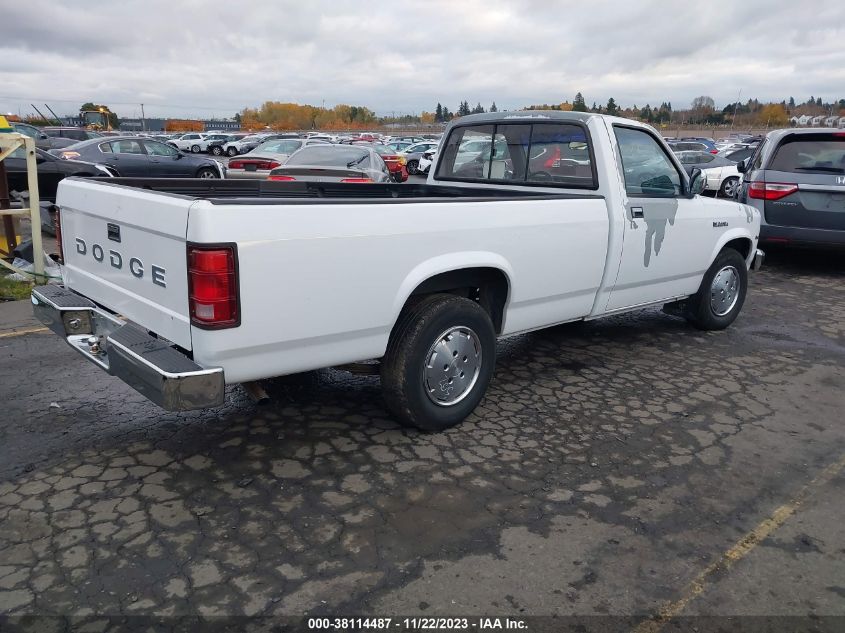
x,y
772,115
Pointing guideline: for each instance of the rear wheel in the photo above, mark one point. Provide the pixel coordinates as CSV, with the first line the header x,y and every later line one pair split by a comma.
x,y
231,152
439,362
216,150
207,172
729,187
722,292
195,149
412,166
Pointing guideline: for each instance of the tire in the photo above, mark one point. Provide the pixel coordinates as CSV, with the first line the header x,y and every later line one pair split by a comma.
x,y
207,172
729,187
436,326
412,167
216,150
195,149
722,292
231,152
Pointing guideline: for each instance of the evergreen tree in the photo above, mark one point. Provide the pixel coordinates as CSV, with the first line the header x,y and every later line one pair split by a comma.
x,y
493,107
579,105
612,108
438,113
478,109
791,102
447,116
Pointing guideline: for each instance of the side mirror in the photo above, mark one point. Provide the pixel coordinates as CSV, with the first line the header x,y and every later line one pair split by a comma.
x,y
742,166
43,136
696,182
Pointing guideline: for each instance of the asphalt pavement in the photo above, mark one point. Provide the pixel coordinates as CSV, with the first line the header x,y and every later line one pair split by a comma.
x,y
631,466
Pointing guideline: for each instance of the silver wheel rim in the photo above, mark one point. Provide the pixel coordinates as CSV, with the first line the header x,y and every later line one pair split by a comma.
x,y
206,173
730,187
452,366
724,290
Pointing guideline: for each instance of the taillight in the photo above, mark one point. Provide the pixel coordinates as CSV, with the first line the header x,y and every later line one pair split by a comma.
x,y
554,160
356,180
770,190
213,286
259,164
714,151
280,177
236,164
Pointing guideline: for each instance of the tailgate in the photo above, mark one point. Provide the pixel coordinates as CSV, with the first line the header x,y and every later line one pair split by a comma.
x,y
125,249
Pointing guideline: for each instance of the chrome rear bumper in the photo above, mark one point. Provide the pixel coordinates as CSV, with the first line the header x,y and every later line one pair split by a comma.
x,y
151,366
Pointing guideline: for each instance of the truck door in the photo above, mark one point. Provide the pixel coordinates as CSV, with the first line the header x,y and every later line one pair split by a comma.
x,y
668,237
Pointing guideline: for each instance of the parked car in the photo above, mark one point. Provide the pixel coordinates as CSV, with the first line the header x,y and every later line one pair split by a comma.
x,y
333,163
396,163
709,143
193,142
140,157
243,144
270,154
216,146
413,154
428,158
51,169
796,179
740,154
65,136
721,175
398,146
42,140
424,277
692,146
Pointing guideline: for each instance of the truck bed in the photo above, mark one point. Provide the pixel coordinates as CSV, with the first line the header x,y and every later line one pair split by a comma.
x,y
237,191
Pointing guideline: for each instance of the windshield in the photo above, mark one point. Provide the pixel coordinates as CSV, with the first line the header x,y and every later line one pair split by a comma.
x,y
822,153
329,155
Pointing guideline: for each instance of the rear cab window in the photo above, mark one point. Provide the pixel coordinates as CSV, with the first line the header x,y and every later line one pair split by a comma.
x,y
810,154
548,153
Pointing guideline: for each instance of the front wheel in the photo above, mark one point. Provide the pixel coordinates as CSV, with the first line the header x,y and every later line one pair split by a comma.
x,y
207,172
721,294
729,188
216,150
439,362
412,166
195,149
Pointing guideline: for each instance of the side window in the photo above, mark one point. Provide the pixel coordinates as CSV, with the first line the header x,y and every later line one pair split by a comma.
x,y
126,147
467,153
560,154
159,149
647,169
757,161
105,148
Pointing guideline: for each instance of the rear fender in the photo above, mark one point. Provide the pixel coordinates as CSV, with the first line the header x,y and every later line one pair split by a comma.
x,y
447,263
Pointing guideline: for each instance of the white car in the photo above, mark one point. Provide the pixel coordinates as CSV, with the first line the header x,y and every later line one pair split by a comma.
x,y
193,142
180,295
233,148
721,175
427,160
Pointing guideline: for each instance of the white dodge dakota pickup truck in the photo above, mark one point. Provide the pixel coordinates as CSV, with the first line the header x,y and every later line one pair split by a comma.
x,y
179,287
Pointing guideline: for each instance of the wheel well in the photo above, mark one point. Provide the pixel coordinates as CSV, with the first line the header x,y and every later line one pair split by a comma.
x,y
486,286
741,245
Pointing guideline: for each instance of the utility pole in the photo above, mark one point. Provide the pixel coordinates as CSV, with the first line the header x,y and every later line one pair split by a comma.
x,y
143,122
736,107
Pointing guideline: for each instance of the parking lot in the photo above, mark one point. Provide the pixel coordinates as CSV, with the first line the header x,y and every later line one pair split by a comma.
x,y
631,466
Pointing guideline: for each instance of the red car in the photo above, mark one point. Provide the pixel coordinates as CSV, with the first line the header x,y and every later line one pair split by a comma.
x,y
396,164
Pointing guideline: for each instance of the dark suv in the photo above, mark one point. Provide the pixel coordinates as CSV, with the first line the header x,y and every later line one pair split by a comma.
x,y
796,179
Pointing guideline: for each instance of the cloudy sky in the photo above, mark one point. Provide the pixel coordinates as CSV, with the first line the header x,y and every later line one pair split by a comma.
x,y
212,58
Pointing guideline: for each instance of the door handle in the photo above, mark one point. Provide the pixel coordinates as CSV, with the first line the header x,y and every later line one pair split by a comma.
x,y
637,212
